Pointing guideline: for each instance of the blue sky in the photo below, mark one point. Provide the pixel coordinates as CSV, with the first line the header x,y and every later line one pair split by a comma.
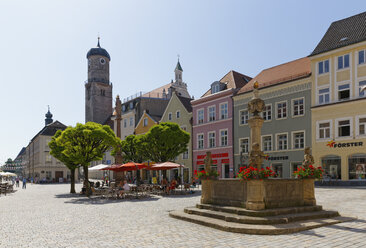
x,y
44,44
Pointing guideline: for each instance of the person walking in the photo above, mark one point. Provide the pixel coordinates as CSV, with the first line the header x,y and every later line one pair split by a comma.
x,y
24,183
17,182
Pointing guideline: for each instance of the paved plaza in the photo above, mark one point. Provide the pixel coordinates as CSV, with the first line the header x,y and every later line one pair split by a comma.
x,y
47,216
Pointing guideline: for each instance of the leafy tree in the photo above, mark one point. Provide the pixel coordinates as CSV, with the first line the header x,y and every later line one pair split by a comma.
x,y
131,149
57,149
86,143
164,142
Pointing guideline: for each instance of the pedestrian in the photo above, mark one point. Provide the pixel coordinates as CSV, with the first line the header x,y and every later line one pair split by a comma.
x,y
24,183
17,182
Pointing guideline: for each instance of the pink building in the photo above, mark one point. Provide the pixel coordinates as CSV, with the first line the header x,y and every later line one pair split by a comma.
x,y
212,124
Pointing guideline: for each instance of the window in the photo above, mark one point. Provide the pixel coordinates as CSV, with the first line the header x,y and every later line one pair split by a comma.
x,y
215,88
298,140
298,107
131,105
362,126
125,123
145,122
131,121
267,143
324,130
185,155
281,142
323,96
267,113
361,57
178,114
344,128
281,110
323,67
343,92
200,141
343,61
244,117
48,158
200,115
223,138
211,139
211,113
223,111
170,116
244,145
361,85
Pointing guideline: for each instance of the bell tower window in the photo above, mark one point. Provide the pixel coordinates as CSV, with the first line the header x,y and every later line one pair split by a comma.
x,y
102,92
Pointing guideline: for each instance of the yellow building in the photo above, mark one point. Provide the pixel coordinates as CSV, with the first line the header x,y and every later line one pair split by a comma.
x,y
338,65
146,122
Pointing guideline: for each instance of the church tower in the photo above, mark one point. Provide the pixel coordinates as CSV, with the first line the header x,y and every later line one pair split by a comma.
x,y
98,88
48,116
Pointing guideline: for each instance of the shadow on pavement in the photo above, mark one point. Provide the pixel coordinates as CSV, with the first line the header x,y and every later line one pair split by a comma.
x,y
102,201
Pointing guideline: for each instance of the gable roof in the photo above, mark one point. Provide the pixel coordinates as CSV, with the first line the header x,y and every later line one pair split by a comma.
x,y
186,103
233,80
279,74
343,33
50,129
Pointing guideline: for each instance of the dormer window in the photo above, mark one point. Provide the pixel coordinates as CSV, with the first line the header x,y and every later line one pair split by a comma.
x,y
215,88
123,108
131,105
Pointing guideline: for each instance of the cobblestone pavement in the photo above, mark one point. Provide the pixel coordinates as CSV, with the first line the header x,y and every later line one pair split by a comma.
x,y
47,216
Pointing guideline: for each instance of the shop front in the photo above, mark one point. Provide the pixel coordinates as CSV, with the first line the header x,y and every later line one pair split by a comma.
x,y
221,162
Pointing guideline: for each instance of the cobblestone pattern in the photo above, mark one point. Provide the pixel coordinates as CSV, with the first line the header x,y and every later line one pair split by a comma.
x,y
46,216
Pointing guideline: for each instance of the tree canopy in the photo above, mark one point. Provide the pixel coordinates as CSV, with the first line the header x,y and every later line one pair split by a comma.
x,y
131,147
164,142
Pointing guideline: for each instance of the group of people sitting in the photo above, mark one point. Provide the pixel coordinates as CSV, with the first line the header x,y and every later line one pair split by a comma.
x,y
168,187
123,188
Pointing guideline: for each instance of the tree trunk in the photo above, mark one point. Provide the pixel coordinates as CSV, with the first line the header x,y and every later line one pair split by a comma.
x,y
72,178
86,180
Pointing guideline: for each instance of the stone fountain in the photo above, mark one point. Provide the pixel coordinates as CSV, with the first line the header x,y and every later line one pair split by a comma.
x,y
270,206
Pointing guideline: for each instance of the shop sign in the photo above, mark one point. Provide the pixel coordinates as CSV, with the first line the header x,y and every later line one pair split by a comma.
x,y
333,144
225,161
214,161
278,158
216,155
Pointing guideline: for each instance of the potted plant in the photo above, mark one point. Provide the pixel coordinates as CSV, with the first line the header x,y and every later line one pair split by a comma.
x,y
251,173
308,175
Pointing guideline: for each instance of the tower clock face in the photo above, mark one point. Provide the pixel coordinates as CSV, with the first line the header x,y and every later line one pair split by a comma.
x,y
102,61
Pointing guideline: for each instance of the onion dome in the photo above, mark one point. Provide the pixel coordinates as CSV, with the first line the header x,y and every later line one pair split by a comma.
x,y
98,51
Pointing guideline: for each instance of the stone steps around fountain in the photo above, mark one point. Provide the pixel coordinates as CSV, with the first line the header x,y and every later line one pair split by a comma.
x,y
275,229
260,213
266,220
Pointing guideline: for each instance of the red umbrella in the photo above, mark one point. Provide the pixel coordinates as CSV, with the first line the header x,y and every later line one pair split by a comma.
x,y
130,166
165,166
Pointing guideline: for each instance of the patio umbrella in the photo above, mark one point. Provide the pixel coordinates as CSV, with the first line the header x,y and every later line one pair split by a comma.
x,y
98,167
8,174
165,166
130,166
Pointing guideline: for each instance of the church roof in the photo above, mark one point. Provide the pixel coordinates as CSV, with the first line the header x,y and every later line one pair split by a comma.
x,y
178,67
186,103
98,51
343,33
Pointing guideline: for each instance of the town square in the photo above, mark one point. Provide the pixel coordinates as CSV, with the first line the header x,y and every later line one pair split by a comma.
x,y
108,142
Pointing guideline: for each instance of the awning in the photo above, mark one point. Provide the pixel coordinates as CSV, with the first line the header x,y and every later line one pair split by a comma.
x,y
130,166
98,167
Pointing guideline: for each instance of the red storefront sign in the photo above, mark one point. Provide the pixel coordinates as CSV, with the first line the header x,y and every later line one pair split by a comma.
x,y
215,155
225,161
214,161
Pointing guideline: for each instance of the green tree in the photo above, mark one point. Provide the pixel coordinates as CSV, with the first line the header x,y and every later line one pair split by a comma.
x,y
86,143
131,149
57,150
164,142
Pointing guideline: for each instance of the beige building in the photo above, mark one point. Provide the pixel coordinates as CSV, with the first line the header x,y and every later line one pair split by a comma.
x,y
40,165
338,65
179,110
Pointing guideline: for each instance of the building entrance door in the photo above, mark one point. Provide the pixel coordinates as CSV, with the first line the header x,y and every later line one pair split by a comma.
x,y
225,171
58,175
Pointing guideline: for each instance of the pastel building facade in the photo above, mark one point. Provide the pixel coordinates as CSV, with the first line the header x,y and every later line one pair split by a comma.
x,y
212,124
338,103
286,130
